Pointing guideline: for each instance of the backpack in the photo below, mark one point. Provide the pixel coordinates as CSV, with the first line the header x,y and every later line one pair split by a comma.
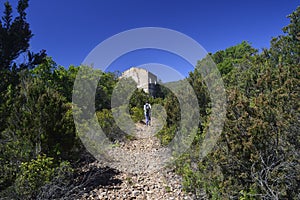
x,y
147,109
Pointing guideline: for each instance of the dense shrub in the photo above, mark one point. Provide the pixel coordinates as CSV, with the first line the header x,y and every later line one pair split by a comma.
x,y
33,175
137,114
257,155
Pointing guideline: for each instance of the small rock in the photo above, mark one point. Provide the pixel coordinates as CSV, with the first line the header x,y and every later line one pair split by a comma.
x,y
135,193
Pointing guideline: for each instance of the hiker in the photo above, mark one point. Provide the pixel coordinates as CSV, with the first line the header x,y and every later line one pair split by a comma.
x,y
147,112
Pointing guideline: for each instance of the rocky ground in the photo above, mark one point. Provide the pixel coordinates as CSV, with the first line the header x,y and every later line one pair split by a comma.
x,y
138,171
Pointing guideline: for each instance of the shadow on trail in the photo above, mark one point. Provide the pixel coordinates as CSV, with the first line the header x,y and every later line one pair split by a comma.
x,y
83,180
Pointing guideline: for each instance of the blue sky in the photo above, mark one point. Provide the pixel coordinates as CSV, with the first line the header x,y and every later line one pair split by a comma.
x,y
70,29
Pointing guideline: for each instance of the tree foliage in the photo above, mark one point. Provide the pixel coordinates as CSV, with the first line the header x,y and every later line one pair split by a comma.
x,y
228,58
257,155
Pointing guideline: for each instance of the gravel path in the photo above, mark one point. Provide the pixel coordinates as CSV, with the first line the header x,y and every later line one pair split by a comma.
x,y
142,172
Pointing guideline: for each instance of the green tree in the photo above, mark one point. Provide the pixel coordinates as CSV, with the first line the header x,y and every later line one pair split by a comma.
x,y
228,58
285,49
106,84
257,155
15,35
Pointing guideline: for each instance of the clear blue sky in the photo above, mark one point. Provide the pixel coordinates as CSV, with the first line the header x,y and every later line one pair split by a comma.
x,y
70,29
